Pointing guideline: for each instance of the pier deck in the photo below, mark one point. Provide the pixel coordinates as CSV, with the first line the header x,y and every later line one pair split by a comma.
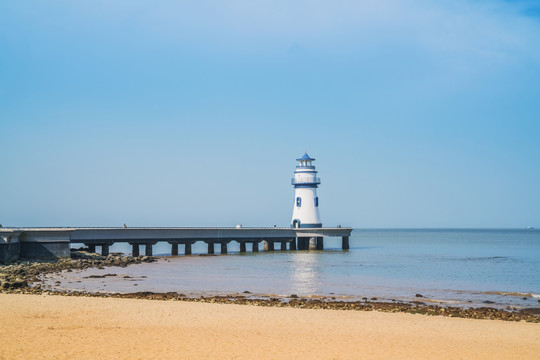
x,y
55,242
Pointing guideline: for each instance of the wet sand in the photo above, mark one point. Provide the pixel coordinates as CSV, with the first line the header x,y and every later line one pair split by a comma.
x,y
63,327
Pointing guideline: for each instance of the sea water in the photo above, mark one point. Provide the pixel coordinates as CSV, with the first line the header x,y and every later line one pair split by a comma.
x,y
447,266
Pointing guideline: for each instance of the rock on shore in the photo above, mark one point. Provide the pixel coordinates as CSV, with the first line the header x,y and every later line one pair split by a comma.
x,y
22,273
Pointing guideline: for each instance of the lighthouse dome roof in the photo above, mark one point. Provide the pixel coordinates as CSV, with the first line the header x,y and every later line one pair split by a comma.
x,y
305,157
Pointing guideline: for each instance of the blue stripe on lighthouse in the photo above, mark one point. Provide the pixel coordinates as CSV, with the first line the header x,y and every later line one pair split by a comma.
x,y
308,185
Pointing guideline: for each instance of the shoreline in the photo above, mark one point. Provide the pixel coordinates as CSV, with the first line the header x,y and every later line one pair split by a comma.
x,y
18,279
64,327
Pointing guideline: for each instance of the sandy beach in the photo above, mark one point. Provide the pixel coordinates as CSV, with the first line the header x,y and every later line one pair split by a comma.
x,y
61,327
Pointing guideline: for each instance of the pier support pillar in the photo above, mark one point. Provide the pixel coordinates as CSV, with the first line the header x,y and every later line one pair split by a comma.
x,y
187,250
148,250
283,246
105,249
345,243
91,248
305,243
135,250
174,249
210,248
292,245
223,247
242,247
320,243
255,246
271,246
302,243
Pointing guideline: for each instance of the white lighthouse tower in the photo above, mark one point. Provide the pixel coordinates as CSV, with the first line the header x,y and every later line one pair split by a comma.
x,y
306,202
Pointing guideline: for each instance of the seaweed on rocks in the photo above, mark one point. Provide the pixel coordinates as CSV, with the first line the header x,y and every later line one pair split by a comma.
x,y
23,273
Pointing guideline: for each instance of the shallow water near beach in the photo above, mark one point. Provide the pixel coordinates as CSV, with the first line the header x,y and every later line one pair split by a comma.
x,y
496,268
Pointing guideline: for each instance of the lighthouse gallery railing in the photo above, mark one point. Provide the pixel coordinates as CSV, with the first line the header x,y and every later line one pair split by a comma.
x,y
306,180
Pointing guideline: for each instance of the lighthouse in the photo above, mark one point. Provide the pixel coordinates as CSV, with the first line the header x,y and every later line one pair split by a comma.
x,y
306,201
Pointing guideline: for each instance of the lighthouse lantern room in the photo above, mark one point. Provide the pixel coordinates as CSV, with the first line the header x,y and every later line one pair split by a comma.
x,y
306,201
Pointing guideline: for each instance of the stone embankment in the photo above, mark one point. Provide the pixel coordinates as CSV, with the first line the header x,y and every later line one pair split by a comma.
x,y
18,278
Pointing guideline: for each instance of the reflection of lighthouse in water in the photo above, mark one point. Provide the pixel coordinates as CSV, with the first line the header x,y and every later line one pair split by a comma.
x,y
306,275
306,201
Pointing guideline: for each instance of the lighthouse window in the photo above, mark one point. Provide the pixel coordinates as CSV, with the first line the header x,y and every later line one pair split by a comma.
x,y
316,201
298,201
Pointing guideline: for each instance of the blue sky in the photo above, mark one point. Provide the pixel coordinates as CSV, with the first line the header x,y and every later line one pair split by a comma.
x,y
419,113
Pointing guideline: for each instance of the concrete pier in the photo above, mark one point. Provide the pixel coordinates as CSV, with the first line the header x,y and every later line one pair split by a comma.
x,y
148,249
135,249
299,243
174,249
292,245
9,246
53,243
303,243
49,244
320,243
345,243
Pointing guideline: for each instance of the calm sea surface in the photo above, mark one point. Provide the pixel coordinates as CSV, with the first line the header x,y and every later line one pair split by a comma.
x,y
454,267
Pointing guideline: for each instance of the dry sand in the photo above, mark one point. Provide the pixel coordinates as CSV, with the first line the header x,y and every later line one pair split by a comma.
x,y
60,327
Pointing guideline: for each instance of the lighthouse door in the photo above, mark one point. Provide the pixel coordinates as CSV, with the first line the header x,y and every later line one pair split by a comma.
x,y
296,223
